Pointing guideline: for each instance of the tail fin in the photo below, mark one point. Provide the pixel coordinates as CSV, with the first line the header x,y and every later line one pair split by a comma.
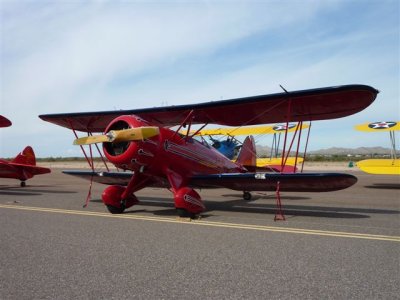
x,y
26,157
247,156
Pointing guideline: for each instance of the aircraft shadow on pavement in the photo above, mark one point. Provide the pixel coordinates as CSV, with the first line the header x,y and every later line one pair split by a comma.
x,y
163,202
258,196
384,186
16,193
241,205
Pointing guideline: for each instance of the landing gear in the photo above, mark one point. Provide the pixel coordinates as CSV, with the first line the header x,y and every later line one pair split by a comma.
x,y
183,213
247,196
188,202
23,183
115,210
112,198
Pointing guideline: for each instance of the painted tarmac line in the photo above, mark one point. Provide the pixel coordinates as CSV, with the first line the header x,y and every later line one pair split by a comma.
x,y
212,224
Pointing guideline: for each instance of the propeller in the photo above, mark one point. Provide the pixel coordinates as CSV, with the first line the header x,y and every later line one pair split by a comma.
x,y
117,136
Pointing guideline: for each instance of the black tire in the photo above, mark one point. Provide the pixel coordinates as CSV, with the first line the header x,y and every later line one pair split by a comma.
x,y
183,213
23,183
115,210
247,196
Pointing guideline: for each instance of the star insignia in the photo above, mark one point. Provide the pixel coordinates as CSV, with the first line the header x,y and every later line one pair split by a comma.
x,y
381,125
283,127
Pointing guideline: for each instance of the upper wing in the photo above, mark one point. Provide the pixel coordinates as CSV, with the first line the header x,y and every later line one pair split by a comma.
x,y
379,126
306,105
248,130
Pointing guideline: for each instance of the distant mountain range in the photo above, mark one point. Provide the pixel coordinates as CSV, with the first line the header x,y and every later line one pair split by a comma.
x,y
266,151
353,151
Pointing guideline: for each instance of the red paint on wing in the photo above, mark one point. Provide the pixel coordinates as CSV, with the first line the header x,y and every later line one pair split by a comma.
x,y
306,105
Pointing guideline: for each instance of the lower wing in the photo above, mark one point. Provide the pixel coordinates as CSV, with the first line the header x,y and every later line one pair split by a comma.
x,y
299,182
7,170
20,171
380,166
34,170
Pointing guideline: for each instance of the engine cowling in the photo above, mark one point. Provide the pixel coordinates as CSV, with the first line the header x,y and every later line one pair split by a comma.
x,y
130,155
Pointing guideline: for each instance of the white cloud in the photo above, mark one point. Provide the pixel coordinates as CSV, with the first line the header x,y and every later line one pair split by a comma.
x,y
102,55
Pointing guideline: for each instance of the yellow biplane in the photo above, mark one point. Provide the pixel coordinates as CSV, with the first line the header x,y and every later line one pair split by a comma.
x,y
231,145
249,130
381,166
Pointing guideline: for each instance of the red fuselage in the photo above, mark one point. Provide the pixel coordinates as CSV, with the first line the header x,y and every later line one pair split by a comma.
x,y
165,153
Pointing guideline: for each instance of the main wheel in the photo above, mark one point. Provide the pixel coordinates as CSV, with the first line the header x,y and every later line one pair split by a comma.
x,y
115,210
247,196
23,183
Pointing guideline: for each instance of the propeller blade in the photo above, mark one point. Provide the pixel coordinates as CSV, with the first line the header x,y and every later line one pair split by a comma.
x,y
124,135
135,134
87,140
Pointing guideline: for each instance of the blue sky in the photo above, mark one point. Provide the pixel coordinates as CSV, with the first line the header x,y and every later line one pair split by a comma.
x,y
70,56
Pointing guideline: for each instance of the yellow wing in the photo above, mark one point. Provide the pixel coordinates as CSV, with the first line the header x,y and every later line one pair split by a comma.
x,y
249,130
379,126
262,162
380,166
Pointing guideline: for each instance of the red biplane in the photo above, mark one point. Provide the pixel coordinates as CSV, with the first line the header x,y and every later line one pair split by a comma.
x,y
142,142
22,167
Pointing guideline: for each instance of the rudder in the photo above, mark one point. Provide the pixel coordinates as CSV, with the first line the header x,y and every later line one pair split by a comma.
x,y
26,157
247,156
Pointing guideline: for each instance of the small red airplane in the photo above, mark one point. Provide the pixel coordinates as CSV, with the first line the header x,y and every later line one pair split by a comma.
x,y
23,166
142,141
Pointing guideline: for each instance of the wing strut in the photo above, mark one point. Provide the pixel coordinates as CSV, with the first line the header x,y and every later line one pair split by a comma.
x,y
279,216
298,145
90,161
101,155
284,158
305,148
275,145
189,117
286,132
393,142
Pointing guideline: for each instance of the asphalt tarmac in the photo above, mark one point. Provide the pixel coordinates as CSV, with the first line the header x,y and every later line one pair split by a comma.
x,y
335,245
